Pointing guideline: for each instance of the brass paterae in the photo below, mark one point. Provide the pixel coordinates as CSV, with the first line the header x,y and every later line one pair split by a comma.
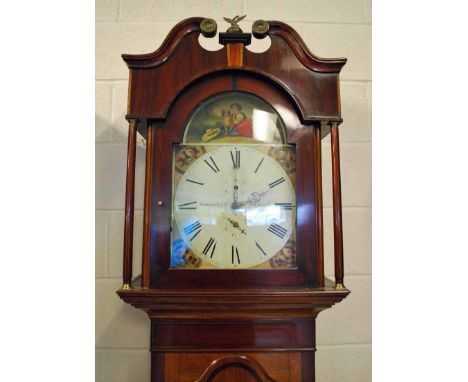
x,y
260,29
208,27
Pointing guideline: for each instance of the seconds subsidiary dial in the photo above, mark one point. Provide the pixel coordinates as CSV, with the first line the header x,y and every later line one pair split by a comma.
x,y
235,207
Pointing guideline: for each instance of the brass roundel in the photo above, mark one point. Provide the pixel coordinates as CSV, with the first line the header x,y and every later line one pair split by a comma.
x,y
208,27
260,28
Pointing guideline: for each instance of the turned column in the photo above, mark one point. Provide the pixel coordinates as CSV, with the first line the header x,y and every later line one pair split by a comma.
x,y
129,206
337,209
318,171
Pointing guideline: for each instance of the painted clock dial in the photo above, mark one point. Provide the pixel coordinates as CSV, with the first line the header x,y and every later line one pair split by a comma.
x,y
234,206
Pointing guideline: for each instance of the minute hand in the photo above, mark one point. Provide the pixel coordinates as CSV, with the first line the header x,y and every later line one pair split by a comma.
x,y
254,197
235,204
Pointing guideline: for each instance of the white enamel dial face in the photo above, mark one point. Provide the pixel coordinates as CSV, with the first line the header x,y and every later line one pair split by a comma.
x,y
235,207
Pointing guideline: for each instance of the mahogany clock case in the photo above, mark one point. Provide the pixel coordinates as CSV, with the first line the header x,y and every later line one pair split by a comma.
x,y
158,78
232,325
170,132
167,85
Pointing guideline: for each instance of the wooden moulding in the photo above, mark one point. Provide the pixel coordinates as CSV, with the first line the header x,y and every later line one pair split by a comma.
x,y
337,208
302,52
252,304
129,205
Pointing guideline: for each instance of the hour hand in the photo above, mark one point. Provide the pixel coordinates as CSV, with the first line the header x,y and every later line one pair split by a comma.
x,y
235,205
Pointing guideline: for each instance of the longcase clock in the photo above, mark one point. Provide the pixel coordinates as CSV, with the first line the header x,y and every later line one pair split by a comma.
x,y
232,274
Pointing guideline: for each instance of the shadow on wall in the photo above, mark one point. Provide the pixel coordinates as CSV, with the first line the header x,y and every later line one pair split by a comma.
x,y
108,132
110,168
118,325
122,334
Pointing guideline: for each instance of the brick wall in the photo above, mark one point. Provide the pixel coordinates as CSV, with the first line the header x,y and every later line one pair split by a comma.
x,y
331,28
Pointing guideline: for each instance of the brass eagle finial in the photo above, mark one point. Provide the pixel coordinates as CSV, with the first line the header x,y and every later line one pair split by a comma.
x,y
234,28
